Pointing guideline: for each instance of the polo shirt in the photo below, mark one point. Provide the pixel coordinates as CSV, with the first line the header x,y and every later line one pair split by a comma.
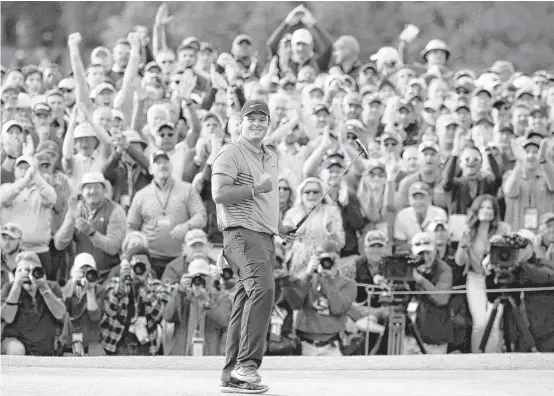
x,y
245,163
406,224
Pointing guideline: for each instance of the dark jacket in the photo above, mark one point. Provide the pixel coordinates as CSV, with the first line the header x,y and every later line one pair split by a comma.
x,y
353,222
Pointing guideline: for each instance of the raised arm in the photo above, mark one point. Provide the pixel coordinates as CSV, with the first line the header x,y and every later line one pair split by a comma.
x,y
130,76
81,87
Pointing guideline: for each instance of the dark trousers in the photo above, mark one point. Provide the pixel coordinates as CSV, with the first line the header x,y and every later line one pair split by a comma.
x,y
251,255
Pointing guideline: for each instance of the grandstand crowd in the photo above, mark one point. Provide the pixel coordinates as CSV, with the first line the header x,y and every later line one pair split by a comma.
x,y
110,237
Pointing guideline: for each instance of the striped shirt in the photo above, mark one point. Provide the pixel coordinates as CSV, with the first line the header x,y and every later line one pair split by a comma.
x,y
245,164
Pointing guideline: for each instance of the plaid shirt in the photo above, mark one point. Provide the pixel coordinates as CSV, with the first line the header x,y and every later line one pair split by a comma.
x,y
154,295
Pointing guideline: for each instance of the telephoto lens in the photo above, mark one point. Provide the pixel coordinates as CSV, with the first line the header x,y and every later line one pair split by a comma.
x,y
199,281
37,272
227,274
91,275
139,268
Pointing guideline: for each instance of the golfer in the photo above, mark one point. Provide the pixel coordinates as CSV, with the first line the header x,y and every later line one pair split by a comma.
x,y
244,187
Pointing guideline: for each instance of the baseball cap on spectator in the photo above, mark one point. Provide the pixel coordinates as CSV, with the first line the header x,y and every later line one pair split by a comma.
x,y
428,144
367,90
42,108
116,113
53,92
422,242
526,234
333,160
405,104
165,124
12,123
196,235
12,230
466,83
432,105
369,65
483,117
547,217
67,84
386,54
312,87
138,251
9,88
199,267
390,133
502,66
24,101
83,130
287,80
104,86
419,188
82,260
465,73
373,164
354,126
207,46
504,127
242,38
375,237
42,158
133,136
479,90
157,154
333,153
24,158
451,120
501,101
93,177
189,42
433,45
417,81
48,147
121,41
374,98
538,109
438,221
152,65
523,91
302,36
531,132
532,140
321,107
462,104
254,106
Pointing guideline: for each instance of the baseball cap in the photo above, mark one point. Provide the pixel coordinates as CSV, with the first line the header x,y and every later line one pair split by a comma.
x,y
547,217
206,46
194,236
190,42
157,154
8,88
12,230
254,106
367,90
133,136
419,188
119,41
42,108
501,66
501,101
53,92
484,117
465,73
535,140
165,124
466,83
7,125
375,237
523,91
151,65
437,221
286,81
354,126
24,101
334,160
369,65
42,158
302,36
478,90
390,133
240,38
538,109
373,164
48,146
116,113
404,104
422,242
504,127
353,99
101,88
199,267
67,83
428,144
461,104
24,158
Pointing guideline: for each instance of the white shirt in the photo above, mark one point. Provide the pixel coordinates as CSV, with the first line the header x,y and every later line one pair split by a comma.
x,y
406,224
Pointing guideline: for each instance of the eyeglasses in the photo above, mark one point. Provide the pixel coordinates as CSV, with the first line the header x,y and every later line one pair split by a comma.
x,y
315,192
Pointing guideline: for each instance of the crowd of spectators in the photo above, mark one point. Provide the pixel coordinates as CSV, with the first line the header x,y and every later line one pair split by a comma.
x,y
110,239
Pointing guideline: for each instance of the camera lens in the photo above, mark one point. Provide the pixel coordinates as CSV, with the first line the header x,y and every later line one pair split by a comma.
x,y
37,272
92,275
227,274
326,263
199,281
139,268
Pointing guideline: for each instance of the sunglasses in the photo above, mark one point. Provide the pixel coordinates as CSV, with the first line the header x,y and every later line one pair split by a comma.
x,y
315,192
164,135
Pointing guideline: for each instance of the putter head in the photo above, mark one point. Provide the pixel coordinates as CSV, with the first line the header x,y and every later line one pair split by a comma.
x,y
362,147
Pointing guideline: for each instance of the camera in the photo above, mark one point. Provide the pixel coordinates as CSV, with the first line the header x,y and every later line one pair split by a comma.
x,y
199,281
504,254
37,272
326,261
139,268
91,275
400,268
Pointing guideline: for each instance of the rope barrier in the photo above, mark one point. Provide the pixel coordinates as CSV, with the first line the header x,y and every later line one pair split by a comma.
x,y
380,292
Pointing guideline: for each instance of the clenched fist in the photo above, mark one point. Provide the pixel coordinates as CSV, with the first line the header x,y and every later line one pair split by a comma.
x,y
74,40
264,184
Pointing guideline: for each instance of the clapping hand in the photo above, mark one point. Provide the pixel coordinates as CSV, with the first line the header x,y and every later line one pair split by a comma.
x,y
162,16
84,226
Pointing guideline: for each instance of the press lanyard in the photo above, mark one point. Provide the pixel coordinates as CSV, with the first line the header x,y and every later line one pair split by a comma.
x,y
164,206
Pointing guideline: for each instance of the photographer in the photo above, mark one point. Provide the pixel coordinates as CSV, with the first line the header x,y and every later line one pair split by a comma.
x,y
433,316
323,297
200,313
32,310
81,298
281,338
133,308
11,246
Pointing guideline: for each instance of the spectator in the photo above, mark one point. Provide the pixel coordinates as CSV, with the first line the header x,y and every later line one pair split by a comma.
x,y
11,246
13,138
133,308
83,302
415,218
165,211
96,224
286,196
32,310
324,225
200,313
323,297
28,202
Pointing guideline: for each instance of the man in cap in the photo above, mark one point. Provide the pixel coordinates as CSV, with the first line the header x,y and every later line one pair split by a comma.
x,y
121,54
42,121
503,69
432,275
352,105
346,51
520,118
529,187
67,87
13,137
95,223
501,110
429,172
196,292
415,218
245,57
124,331
538,120
502,136
28,202
165,211
244,181
11,246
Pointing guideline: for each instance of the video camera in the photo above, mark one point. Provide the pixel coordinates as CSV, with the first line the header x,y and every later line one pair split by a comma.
x,y
400,268
504,254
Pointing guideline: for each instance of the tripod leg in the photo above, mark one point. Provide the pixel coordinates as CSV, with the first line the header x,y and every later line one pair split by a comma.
x,y
524,331
508,342
488,328
417,335
397,327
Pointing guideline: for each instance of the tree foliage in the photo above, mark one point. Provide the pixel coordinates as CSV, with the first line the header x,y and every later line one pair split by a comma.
x,y
478,32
